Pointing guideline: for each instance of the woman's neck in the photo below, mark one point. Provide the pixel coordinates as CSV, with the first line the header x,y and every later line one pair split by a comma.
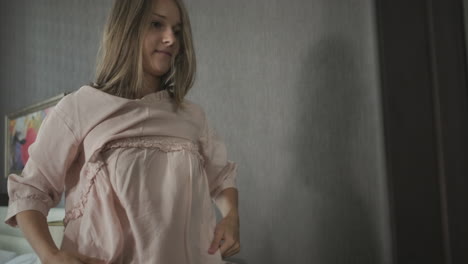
x,y
151,84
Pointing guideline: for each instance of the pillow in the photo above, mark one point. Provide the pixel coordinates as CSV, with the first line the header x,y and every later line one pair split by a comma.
x,y
6,255
30,258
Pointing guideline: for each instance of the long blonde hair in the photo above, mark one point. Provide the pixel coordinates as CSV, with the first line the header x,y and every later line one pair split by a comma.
x,y
119,68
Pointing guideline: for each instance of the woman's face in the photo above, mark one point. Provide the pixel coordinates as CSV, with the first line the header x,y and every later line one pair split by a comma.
x,y
162,40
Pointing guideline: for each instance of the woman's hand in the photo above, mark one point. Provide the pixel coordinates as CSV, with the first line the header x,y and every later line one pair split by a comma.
x,y
64,257
228,230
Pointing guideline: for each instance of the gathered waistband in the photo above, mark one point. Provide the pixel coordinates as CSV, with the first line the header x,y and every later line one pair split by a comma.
x,y
163,143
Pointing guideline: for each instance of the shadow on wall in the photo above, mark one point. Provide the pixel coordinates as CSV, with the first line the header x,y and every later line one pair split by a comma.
x,y
336,157
335,172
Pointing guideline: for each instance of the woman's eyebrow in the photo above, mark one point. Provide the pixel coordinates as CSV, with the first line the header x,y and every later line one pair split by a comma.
x,y
178,24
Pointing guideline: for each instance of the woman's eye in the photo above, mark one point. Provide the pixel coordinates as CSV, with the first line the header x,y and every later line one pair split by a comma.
x,y
156,24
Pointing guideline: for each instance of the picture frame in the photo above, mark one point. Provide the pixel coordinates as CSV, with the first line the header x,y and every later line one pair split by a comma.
x,y
21,128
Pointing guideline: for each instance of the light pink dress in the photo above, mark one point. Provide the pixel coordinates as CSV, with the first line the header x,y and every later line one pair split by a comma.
x,y
139,178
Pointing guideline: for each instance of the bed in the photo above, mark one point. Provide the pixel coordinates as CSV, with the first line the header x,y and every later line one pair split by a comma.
x,y
15,249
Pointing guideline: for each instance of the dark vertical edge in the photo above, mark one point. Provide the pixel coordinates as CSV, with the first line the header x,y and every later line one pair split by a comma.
x,y
451,91
432,25
378,6
3,199
410,138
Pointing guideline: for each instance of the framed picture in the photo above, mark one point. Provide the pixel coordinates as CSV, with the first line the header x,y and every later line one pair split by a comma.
x,y
21,129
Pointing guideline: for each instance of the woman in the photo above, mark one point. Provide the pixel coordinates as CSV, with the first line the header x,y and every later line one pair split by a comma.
x,y
139,164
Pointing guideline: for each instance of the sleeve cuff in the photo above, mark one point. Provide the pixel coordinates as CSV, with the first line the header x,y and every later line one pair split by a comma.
x,y
229,180
23,205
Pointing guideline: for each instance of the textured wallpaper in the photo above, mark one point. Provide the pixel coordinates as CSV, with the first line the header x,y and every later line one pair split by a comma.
x,y
291,86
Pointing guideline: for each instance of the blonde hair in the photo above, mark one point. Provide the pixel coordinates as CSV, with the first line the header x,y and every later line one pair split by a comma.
x,y
119,68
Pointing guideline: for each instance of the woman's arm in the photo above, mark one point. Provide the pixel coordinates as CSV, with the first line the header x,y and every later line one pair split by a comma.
x,y
41,183
34,226
221,175
228,228
227,202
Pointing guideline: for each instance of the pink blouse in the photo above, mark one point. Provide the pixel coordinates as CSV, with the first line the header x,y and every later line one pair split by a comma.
x,y
139,177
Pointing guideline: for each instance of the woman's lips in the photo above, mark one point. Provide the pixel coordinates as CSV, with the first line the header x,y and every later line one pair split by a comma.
x,y
164,52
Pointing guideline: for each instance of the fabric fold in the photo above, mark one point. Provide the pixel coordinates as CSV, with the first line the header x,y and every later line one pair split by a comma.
x,y
164,155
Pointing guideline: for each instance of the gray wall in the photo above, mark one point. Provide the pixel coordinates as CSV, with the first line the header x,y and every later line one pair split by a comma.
x,y
292,87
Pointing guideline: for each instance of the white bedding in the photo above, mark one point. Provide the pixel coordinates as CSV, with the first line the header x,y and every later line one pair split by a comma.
x,y
10,257
15,249
6,256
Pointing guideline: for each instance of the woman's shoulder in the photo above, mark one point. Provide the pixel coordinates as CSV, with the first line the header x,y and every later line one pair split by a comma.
x,y
73,97
88,98
87,106
90,94
195,109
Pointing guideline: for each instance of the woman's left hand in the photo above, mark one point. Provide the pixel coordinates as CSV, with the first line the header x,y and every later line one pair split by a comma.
x,y
228,230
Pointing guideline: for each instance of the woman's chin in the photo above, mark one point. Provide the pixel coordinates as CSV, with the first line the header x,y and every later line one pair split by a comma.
x,y
160,71
157,73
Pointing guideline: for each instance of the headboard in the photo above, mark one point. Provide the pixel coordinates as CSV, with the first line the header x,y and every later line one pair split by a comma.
x,y
12,239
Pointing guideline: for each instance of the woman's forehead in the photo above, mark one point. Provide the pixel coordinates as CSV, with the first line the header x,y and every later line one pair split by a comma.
x,y
166,9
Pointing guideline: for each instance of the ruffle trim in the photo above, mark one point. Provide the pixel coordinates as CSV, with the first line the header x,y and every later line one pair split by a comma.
x,y
165,144
39,197
76,212
229,172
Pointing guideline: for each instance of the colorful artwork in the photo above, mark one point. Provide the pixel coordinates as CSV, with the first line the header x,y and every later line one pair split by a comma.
x,y
23,132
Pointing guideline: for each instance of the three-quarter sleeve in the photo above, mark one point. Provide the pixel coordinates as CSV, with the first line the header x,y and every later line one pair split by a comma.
x,y
221,172
41,183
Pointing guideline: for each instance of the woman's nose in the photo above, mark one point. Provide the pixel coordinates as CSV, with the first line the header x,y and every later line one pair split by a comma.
x,y
169,37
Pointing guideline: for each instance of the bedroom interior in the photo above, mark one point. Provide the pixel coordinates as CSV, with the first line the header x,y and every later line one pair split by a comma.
x,y
348,129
